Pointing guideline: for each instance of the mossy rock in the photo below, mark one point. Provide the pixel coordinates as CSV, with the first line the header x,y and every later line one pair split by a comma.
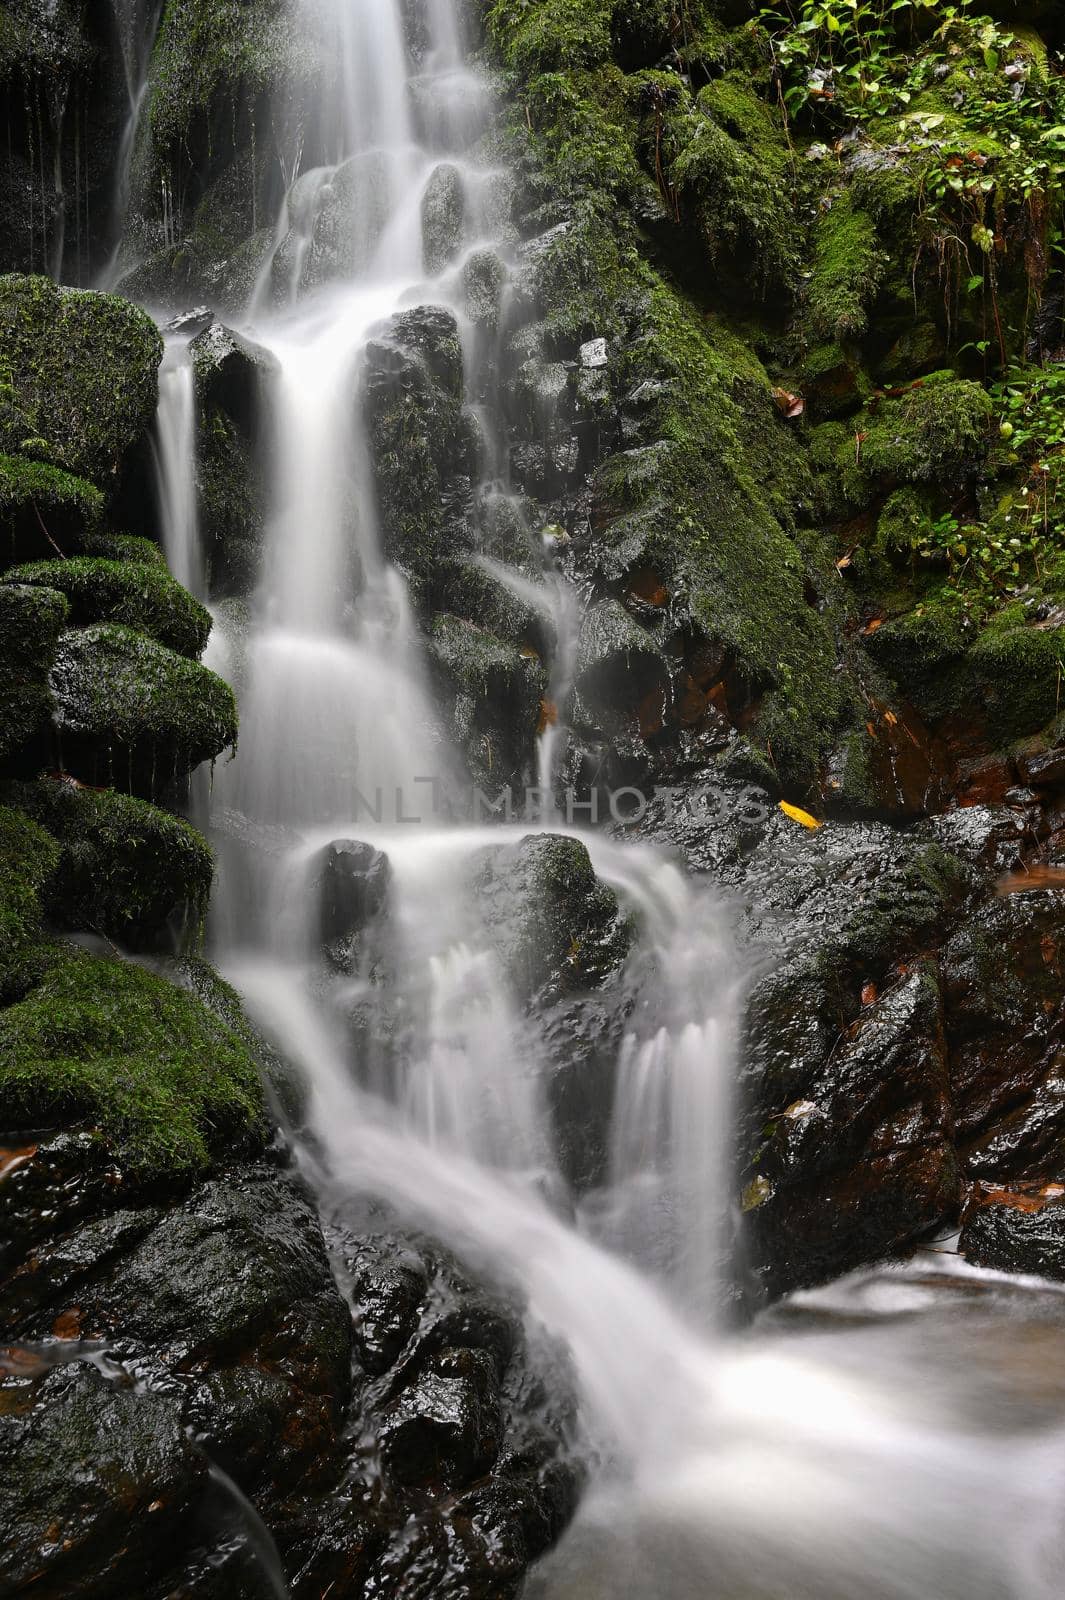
x,y
939,430
44,511
28,858
1018,672
81,370
31,621
109,1043
732,170
142,594
132,711
556,928
126,868
847,267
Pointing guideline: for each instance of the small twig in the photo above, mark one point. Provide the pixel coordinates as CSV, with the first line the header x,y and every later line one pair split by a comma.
x,y
44,530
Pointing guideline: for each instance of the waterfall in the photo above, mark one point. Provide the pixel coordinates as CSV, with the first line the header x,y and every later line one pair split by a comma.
x,y
136,23
801,1468
175,466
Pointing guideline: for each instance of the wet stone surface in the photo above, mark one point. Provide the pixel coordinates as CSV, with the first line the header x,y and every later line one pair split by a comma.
x,y
157,1339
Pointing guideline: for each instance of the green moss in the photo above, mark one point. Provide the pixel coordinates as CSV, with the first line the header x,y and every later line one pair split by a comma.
x,y
552,34
847,268
126,868
1018,672
123,547
165,1080
731,169
31,621
210,52
128,708
142,595
902,524
28,858
939,430
43,508
80,370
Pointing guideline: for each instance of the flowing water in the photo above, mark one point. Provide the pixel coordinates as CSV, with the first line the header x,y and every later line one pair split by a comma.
x,y
899,1436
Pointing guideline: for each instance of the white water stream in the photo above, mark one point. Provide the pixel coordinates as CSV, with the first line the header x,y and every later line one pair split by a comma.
x,y
815,1465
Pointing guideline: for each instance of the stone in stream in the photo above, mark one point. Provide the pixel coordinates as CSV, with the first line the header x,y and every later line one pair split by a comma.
x,y
351,882
1017,1229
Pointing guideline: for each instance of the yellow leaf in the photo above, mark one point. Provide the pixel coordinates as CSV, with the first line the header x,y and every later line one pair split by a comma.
x,y
798,815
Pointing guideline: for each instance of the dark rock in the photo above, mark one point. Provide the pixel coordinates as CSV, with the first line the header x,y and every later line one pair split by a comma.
x,y
1021,1229
556,928
864,1161
446,1427
443,207
387,1287
95,1480
1002,974
230,371
1045,770
352,880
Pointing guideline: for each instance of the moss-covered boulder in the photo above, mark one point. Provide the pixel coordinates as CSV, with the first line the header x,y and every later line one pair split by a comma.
x,y
109,1043
418,439
140,594
556,927
130,711
80,370
493,692
126,868
44,511
31,621
28,858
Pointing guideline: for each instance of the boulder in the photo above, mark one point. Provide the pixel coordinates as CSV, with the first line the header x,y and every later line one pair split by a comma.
x,y
1017,1229
138,593
128,709
83,370
352,881
126,868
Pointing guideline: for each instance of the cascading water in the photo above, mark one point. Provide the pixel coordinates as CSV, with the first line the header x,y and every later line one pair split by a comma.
x,y
788,1465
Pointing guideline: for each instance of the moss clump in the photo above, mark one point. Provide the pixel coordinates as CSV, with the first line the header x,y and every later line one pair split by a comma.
x,y
939,430
42,508
134,592
80,370
847,267
126,868
31,621
165,1080
553,35
1018,673
732,168
28,858
129,708
123,547
212,51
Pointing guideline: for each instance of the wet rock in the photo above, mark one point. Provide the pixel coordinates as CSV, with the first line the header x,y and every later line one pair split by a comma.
x,y
619,666
387,1287
352,880
419,438
863,1161
443,216
230,371
94,1480
557,929
446,1427
483,279
132,712
1003,973
493,695
1044,770
1019,1229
